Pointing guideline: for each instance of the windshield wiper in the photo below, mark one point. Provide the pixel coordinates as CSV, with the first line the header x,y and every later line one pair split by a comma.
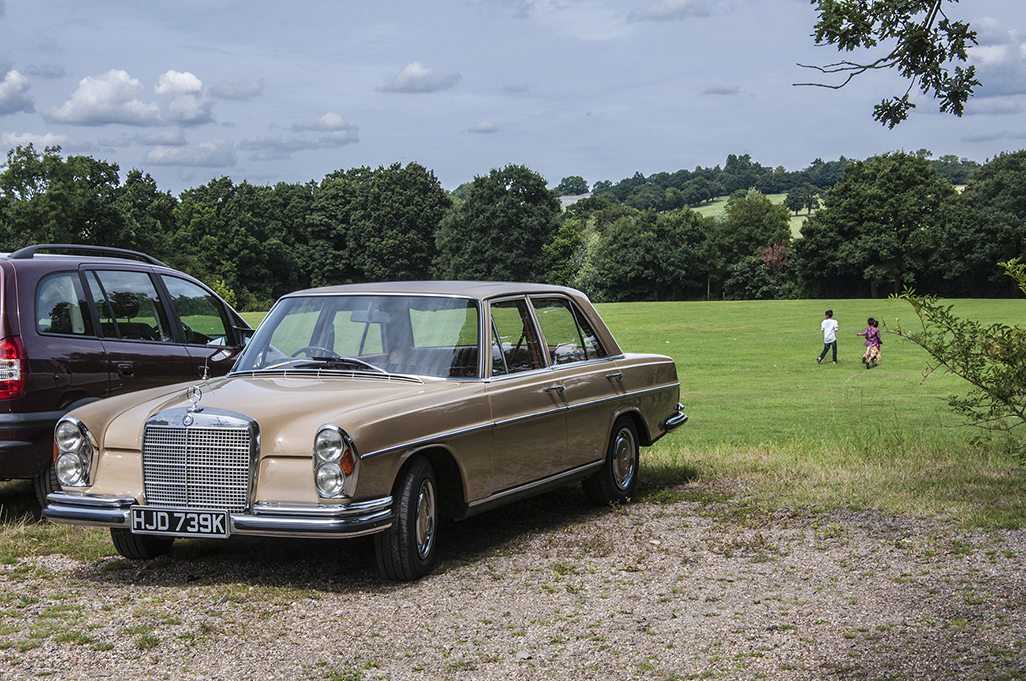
x,y
329,362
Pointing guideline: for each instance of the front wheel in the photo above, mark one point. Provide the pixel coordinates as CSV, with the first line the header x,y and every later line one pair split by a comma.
x,y
616,480
45,483
406,551
139,546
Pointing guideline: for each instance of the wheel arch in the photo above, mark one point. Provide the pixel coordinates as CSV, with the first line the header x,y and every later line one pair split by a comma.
x,y
448,477
640,427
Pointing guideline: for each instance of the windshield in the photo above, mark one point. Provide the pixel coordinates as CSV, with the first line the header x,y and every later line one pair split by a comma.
x,y
417,335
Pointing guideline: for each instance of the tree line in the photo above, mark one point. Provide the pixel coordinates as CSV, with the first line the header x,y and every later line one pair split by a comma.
x,y
874,227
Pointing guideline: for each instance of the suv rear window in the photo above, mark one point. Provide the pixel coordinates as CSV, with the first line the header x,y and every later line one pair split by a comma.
x,y
61,307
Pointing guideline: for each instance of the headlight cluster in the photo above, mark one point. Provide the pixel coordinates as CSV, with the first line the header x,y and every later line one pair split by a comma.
x,y
74,449
334,462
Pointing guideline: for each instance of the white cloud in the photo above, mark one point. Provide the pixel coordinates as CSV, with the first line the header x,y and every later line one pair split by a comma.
x,y
416,79
14,96
108,98
14,139
484,127
277,147
177,83
188,102
1000,60
329,122
116,98
217,154
994,136
171,137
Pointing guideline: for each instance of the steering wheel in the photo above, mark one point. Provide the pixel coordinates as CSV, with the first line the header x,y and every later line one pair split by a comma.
x,y
315,351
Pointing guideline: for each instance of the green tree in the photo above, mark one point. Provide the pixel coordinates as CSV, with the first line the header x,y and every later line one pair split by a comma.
x,y
803,197
375,225
649,256
877,227
149,214
498,233
559,254
575,185
50,199
993,225
923,45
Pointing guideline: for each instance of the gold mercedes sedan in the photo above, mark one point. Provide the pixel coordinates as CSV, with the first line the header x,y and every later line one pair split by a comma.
x,y
372,409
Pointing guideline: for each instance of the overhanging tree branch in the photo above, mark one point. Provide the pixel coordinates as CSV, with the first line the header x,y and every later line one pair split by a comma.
x,y
926,46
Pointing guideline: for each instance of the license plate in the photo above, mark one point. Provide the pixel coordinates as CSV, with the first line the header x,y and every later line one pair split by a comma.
x,y
177,522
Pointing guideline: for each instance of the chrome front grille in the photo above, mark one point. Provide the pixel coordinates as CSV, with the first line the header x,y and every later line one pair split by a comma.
x,y
207,464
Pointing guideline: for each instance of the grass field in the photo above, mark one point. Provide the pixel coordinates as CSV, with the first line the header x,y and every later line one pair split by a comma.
x,y
766,416
716,206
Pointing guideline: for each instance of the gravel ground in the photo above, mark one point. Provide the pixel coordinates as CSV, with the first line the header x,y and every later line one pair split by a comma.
x,y
548,588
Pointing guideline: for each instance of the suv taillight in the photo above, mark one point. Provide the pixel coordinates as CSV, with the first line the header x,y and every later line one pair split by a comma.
x,y
12,366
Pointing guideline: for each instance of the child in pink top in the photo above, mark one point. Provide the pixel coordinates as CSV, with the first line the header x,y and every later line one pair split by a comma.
x,y
872,334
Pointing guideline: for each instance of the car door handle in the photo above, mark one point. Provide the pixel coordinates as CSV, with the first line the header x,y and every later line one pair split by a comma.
x,y
615,377
126,369
555,388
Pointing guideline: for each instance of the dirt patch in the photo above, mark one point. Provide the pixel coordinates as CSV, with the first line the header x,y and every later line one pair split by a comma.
x,y
547,588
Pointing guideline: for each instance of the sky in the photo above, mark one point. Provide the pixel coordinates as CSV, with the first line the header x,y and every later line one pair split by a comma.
x,y
270,91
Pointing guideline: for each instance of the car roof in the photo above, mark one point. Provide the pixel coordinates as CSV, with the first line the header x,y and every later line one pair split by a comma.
x,y
472,289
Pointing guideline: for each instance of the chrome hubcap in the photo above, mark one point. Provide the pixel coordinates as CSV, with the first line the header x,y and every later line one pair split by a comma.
x,y
425,521
624,459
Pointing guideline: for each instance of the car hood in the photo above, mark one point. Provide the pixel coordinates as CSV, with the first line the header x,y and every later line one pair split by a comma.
x,y
375,412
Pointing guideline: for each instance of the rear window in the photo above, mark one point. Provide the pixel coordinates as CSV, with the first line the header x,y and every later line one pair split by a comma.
x,y
61,306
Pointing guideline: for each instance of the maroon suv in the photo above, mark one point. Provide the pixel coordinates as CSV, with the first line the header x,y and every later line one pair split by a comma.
x,y
78,323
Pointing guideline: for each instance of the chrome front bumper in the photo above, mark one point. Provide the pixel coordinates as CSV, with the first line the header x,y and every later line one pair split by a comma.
x,y
263,519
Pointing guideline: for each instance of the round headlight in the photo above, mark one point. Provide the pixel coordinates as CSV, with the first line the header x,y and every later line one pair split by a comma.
x,y
329,445
330,480
70,469
69,436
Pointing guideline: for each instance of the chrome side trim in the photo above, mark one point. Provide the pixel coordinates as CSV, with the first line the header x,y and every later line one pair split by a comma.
x,y
554,480
413,444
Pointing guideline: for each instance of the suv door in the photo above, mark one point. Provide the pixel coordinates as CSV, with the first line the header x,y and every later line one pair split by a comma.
x,y
209,331
136,331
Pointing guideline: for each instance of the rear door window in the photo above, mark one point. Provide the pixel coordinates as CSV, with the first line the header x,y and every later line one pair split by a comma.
x,y
568,336
128,306
61,306
515,346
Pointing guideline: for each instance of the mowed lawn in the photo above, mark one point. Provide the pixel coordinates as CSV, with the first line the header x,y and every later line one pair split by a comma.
x,y
764,415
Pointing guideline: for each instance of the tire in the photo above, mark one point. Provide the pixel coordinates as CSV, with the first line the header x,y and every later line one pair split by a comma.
x,y
406,551
46,482
139,546
615,481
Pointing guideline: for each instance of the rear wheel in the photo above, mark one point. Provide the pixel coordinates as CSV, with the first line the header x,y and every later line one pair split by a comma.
x,y
139,546
406,551
616,480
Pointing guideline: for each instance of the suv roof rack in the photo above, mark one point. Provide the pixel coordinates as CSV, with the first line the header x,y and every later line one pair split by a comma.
x,y
30,252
